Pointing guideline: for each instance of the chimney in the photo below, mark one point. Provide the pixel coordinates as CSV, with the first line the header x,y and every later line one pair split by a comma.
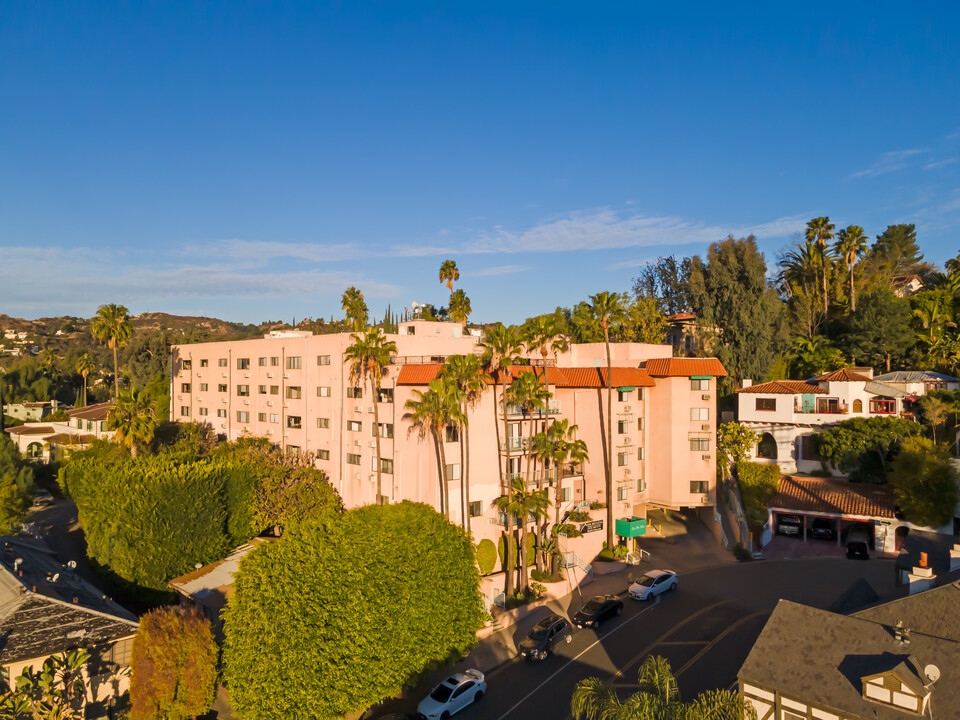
x,y
747,382
921,577
901,634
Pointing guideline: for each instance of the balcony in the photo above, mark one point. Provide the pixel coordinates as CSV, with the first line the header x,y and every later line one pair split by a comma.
x,y
548,476
515,443
519,410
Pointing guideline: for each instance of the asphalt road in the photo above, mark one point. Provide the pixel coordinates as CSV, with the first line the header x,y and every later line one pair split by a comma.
x,y
705,628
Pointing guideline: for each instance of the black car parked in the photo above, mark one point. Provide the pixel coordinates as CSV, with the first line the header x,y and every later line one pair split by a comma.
x,y
821,529
857,550
596,610
547,633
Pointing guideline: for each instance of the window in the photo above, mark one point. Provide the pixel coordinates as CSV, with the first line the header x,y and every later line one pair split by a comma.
x,y
623,492
621,459
262,389
323,392
243,416
323,359
700,444
188,364
699,487
89,424
293,362
702,414
222,387
565,494
243,363
274,418
222,362
354,425
353,459
699,384
184,387
386,465
622,427
639,453
261,417
120,653
184,410
828,406
641,423
452,433
293,393
243,390
623,396
858,406
354,392
323,423
274,389
293,450
640,394
204,363
641,485
323,454
221,412
767,447
885,407
203,412
808,448
262,362
386,430
386,395
453,471
476,509
293,421
203,387
274,361
766,404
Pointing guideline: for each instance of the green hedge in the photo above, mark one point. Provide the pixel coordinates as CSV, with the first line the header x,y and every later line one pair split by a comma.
x,y
486,556
757,484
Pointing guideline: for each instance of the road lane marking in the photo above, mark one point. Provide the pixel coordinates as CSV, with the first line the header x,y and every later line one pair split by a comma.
x,y
569,662
684,642
717,639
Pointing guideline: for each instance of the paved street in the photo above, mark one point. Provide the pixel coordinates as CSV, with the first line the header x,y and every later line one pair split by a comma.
x,y
705,629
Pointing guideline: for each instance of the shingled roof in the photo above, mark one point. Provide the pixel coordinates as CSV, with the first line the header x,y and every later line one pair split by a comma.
x,y
685,367
784,387
99,411
832,497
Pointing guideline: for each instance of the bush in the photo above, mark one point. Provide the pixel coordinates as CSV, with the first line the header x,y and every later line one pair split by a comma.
x,y
757,484
924,483
741,553
620,552
531,549
597,505
541,576
579,516
486,556
606,555
514,548
845,444
537,589
571,531
301,624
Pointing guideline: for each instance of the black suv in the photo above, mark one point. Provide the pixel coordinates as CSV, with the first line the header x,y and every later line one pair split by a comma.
x,y
540,641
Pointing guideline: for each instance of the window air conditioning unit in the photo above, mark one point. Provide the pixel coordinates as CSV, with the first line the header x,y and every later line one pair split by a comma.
x,y
223,400
373,478
358,443
705,426
246,402
370,409
373,443
269,403
359,408
705,457
356,476
627,408
246,375
286,404
269,375
705,396
705,500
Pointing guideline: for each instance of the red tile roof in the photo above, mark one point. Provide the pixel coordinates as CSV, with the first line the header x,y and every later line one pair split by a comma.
x,y
30,430
784,387
100,411
842,375
680,316
685,367
418,374
581,377
836,497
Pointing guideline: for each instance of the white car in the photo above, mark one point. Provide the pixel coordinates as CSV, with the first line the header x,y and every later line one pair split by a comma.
x,y
453,695
654,583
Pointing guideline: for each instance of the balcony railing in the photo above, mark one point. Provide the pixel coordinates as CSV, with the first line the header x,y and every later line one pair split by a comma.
x,y
549,475
539,413
515,443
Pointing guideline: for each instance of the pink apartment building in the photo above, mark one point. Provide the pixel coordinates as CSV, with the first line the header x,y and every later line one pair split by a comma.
x,y
293,388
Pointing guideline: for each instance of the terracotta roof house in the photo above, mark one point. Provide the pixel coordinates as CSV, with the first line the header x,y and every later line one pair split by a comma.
x,y
47,609
895,661
52,440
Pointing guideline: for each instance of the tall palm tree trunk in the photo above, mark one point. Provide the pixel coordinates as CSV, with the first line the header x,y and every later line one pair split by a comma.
x,y
443,474
116,373
466,468
853,292
524,573
606,340
375,386
438,450
463,482
823,276
508,549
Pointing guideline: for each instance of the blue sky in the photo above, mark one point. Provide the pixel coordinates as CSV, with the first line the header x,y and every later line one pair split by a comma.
x,y
251,160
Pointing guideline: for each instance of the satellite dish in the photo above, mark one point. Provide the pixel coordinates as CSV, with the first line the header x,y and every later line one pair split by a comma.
x,y
414,304
932,672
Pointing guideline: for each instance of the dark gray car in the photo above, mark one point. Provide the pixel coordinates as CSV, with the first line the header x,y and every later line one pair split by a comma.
x,y
545,635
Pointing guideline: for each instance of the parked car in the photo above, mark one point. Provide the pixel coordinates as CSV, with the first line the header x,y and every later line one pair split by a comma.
x,y
453,695
857,550
654,583
789,525
822,529
42,498
546,634
596,610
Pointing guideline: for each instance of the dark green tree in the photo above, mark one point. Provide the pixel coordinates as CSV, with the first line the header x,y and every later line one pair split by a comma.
x,y
880,334
305,625
896,252
848,444
924,483
668,282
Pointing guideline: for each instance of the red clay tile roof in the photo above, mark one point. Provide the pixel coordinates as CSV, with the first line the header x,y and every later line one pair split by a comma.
x,y
784,387
30,430
836,497
581,377
92,412
842,375
685,367
680,316
418,374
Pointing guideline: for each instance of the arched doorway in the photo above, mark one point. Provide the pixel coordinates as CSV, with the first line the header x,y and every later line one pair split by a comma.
x,y
767,447
34,450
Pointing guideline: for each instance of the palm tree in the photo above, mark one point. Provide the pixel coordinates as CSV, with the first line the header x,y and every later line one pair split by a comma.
x,y
542,334
134,420
84,366
607,308
519,500
48,357
369,356
449,273
851,245
355,307
459,306
798,279
527,392
819,231
431,412
466,373
112,326
658,698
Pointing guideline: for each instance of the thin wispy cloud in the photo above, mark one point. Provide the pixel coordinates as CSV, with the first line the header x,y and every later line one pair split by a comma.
x,y
939,163
890,162
497,271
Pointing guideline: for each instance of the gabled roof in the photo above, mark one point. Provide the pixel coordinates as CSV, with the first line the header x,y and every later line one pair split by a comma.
x,y
833,497
30,430
900,376
784,387
99,411
842,375
684,367
933,612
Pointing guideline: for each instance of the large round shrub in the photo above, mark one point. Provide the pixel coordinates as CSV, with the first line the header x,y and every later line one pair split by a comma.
x,y
344,611
486,556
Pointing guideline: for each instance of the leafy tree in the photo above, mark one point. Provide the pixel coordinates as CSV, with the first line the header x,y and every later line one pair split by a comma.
x,y
355,308
132,416
758,483
55,692
880,333
819,231
112,327
924,482
734,442
644,323
369,356
85,366
846,444
658,698
296,639
448,274
16,486
934,412
730,292
813,356
667,282
896,252
607,308
173,666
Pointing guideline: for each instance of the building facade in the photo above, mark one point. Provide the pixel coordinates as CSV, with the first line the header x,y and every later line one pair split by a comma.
x,y
294,388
